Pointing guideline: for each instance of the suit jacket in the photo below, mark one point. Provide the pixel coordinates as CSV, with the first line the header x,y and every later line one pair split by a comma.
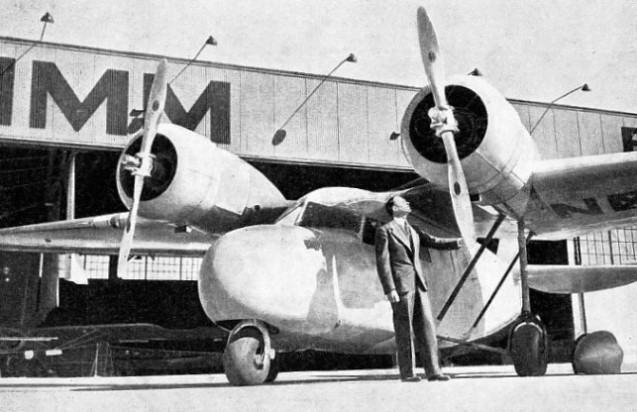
x,y
398,261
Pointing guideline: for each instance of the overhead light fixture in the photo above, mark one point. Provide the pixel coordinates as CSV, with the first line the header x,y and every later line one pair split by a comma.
x,y
584,88
47,18
280,133
210,41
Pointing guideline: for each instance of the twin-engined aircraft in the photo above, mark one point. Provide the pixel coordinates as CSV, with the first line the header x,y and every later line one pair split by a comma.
x,y
285,275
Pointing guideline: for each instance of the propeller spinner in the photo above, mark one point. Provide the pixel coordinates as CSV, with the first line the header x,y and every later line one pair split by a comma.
x,y
445,125
141,164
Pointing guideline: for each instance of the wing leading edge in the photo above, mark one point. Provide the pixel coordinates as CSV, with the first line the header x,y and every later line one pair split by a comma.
x,y
102,235
579,279
573,196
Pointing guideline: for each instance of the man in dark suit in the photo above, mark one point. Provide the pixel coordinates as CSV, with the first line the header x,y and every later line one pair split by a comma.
x,y
398,257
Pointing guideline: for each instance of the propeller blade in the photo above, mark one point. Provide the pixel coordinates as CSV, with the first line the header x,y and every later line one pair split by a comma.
x,y
154,108
443,121
129,231
152,116
431,58
459,191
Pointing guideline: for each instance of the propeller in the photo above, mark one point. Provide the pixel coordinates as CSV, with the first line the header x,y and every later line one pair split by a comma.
x,y
141,164
445,125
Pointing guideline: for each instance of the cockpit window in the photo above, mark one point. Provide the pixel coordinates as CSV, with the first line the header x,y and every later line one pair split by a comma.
x,y
320,216
289,216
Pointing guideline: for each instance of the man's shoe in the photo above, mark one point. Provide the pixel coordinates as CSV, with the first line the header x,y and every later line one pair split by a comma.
x,y
411,379
440,377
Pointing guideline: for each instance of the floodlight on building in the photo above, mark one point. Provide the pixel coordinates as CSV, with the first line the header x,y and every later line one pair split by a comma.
x,y
280,133
210,41
46,19
584,88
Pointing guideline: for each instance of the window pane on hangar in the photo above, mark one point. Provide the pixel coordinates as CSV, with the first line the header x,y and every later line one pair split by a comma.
x,y
612,134
145,268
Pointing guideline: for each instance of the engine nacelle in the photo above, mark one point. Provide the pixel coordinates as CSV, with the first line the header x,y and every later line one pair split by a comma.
x,y
195,183
495,149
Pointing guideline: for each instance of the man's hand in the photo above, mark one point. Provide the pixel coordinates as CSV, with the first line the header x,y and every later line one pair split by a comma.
x,y
393,296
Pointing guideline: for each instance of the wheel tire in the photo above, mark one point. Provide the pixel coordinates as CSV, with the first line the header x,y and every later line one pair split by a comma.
x,y
597,353
528,346
274,370
243,360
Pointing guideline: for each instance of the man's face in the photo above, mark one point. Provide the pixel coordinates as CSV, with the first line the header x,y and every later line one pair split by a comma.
x,y
401,207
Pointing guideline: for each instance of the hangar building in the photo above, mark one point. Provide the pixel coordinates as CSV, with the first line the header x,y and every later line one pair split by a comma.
x,y
61,102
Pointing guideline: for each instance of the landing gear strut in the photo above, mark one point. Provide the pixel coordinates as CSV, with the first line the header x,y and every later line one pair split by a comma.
x,y
247,359
528,340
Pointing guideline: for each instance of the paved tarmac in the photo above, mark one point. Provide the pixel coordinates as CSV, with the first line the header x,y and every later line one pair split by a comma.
x,y
472,389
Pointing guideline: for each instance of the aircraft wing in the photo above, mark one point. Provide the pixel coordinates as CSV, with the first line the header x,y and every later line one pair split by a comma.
x,y
102,235
579,279
578,195
431,209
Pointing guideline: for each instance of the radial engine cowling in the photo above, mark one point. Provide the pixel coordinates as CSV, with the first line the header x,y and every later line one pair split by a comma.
x,y
495,149
195,183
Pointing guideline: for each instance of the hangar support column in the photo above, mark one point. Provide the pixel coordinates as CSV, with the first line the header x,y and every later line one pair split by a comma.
x,y
52,264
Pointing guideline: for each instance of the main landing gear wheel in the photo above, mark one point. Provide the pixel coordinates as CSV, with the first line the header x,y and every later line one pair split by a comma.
x,y
274,370
247,359
597,353
528,346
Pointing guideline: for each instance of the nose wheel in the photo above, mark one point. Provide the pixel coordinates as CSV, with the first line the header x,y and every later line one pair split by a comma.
x,y
248,357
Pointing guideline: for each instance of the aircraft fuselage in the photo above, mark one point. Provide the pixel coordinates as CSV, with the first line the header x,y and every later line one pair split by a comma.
x,y
319,289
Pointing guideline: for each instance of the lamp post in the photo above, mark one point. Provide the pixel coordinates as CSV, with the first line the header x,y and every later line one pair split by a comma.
x,y
583,88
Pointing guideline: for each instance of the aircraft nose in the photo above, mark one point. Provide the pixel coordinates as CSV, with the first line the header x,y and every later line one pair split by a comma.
x,y
262,272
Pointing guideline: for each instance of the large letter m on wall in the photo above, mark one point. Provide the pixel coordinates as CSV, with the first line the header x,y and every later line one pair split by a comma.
x,y
112,87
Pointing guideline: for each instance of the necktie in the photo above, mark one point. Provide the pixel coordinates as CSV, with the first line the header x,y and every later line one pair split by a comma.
x,y
408,233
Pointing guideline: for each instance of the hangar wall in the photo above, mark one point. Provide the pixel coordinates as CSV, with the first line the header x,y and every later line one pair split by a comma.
x,y
81,97
54,95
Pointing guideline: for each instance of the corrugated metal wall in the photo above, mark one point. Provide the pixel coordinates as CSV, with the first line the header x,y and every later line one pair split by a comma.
x,y
571,132
345,122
